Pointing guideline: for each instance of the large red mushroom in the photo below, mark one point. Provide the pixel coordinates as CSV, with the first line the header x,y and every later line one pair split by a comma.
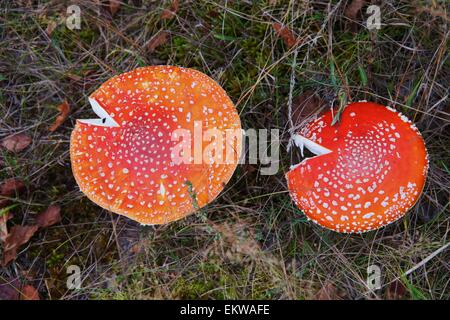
x,y
369,169
124,160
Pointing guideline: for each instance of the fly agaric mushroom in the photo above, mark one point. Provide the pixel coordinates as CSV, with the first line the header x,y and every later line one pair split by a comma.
x,y
369,169
123,161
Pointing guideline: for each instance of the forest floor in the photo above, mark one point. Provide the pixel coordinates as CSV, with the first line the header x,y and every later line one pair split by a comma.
x,y
252,242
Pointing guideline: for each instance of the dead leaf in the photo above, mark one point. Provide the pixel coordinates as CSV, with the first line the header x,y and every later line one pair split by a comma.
x,y
328,292
304,106
114,6
16,142
10,290
28,292
51,26
288,36
4,218
136,248
18,236
14,290
354,8
396,291
169,13
64,110
159,39
49,217
11,186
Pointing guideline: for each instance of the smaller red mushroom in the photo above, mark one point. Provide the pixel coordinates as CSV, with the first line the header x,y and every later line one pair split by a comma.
x,y
369,169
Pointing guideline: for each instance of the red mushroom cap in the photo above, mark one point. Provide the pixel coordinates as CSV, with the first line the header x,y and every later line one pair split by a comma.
x,y
124,161
370,169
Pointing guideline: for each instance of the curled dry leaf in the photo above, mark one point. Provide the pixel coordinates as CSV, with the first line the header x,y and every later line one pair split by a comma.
x,y
16,142
114,6
64,110
169,13
3,225
159,39
18,236
51,26
49,217
288,36
354,8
